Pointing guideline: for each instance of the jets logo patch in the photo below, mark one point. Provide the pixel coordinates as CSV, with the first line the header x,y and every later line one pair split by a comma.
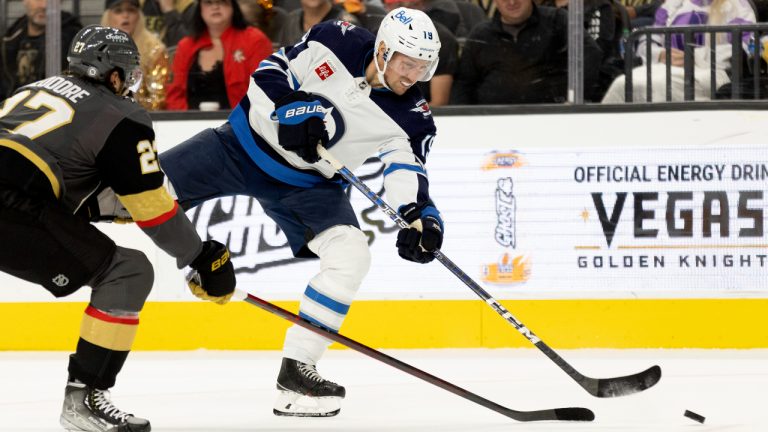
x,y
345,26
422,107
325,70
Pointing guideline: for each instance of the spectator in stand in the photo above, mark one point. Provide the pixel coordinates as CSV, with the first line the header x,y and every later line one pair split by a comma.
x,y
170,20
489,6
459,16
747,87
264,15
126,15
22,52
641,12
686,12
367,13
600,23
288,5
299,21
521,56
215,63
437,91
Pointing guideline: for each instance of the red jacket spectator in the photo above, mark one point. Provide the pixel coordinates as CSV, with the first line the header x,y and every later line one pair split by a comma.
x,y
243,50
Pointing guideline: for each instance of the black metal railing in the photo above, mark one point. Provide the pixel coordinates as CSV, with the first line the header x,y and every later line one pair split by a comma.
x,y
688,33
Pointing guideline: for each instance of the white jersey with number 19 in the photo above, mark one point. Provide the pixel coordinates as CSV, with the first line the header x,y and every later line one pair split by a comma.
x,y
329,62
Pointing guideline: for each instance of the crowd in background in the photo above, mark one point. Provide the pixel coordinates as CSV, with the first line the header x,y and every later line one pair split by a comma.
x,y
200,54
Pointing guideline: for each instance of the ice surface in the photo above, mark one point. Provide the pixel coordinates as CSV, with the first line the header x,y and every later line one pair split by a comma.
x,y
207,391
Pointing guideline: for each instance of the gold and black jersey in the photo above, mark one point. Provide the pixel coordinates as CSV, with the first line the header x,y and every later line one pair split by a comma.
x,y
71,120
84,138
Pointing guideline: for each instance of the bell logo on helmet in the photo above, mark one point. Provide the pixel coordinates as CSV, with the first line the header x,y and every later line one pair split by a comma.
x,y
403,17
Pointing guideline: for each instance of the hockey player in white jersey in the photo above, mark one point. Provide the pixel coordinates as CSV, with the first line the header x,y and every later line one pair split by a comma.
x,y
354,93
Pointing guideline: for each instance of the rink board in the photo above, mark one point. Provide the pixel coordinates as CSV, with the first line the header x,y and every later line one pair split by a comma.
x,y
658,242
670,323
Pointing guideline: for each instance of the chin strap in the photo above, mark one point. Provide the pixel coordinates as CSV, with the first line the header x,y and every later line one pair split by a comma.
x,y
379,71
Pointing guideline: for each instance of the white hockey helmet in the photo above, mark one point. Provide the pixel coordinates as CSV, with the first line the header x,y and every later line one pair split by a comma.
x,y
409,32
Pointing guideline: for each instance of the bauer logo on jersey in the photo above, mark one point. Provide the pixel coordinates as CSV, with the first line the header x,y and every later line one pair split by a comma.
x,y
325,70
422,107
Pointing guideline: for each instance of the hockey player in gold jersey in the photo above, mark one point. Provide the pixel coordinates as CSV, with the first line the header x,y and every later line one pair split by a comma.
x,y
75,149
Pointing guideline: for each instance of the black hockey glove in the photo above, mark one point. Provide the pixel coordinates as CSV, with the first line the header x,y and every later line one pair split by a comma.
x,y
423,237
301,124
213,275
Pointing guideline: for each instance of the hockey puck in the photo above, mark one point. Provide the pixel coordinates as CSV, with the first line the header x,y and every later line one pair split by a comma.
x,y
693,416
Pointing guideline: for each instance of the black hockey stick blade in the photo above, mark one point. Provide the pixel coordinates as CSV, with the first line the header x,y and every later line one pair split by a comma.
x,y
574,414
557,414
626,385
601,387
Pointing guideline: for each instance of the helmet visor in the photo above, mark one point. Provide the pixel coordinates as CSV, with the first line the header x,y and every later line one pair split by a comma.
x,y
412,68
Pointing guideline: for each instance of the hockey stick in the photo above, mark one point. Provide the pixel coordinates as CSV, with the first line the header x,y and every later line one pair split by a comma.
x,y
598,387
562,414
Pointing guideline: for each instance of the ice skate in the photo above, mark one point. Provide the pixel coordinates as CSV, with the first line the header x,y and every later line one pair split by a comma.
x,y
89,409
304,393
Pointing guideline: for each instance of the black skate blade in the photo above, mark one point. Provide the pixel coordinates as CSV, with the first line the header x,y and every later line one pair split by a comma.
x,y
627,385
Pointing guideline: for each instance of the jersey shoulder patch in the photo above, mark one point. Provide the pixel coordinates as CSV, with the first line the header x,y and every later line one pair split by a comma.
x,y
340,34
418,121
422,107
345,26
348,43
